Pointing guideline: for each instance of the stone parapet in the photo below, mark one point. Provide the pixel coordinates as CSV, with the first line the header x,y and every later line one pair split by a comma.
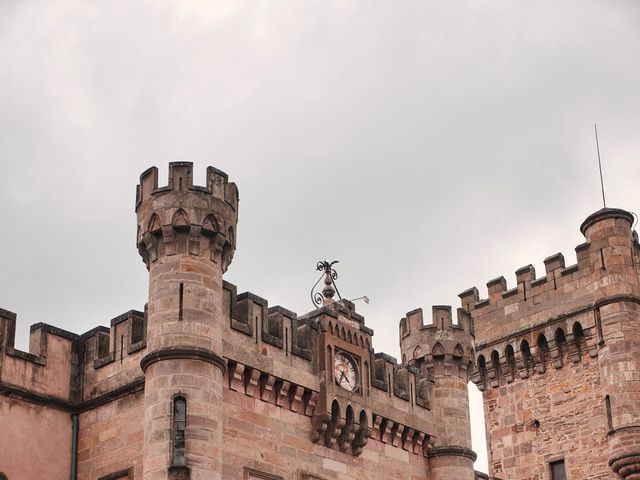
x,y
535,300
182,218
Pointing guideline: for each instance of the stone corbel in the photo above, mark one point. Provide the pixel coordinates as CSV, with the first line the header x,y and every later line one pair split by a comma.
x,y
385,431
169,239
407,438
333,432
347,435
492,376
267,388
227,256
506,369
418,440
217,243
282,396
592,346
236,381
320,424
396,434
150,247
194,240
251,378
361,439
311,399
295,398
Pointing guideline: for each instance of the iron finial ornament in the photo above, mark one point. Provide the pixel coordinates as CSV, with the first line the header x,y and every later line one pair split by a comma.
x,y
330,276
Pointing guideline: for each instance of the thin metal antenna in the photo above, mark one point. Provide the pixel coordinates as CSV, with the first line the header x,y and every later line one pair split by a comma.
x,y
604,201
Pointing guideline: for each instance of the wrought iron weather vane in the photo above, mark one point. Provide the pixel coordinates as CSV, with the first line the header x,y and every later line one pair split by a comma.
x,y
330,276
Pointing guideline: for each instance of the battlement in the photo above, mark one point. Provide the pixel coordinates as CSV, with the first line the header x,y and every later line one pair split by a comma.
x,y
273,339
441,347
181,181
611,248
47,370
441,319
69,370
182,218
527,284
547,321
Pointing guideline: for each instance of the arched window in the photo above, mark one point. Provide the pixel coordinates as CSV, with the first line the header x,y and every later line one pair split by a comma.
x,y
511,360
543,349
561,342
527,357
578,336
179,430
495,362
482,368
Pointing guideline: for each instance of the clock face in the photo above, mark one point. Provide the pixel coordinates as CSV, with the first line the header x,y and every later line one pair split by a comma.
x,y
345,372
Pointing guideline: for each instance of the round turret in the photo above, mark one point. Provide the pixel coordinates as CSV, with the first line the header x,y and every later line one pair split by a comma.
x,y
614,253
444,352
186,237
185,219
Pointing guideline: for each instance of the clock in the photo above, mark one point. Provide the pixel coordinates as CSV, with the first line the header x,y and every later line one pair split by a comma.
x,y
345,372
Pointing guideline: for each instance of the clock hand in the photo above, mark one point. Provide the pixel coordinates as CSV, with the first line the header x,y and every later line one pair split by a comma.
x,y
342,375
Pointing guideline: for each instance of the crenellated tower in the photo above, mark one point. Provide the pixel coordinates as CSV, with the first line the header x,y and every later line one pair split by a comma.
x,y
186,237
443,352
558,360
613,253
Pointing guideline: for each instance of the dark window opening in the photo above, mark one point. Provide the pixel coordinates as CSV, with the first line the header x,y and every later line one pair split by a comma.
x,y
511,360
607,406
179,430
557,470
181,301
527,356
543,348
495,362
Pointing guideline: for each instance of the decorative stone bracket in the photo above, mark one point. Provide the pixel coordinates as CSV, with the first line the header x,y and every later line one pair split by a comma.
x,y
271,389
349,437
402,436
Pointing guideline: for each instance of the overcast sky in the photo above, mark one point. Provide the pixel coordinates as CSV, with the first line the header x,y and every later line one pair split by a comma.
x,y
428,146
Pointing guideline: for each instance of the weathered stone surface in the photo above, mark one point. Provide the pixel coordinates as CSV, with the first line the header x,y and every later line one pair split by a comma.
x,y
556,358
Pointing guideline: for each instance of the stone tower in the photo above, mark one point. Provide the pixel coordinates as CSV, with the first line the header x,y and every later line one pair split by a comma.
x,y
613,253
186,237
444,352
559,360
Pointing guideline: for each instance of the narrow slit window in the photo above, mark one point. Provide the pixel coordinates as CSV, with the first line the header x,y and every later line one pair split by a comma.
x,y
607,406
181,302
179,430
558,471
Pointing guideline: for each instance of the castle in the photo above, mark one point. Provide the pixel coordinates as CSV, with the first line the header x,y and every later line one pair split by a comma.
x,y
206,383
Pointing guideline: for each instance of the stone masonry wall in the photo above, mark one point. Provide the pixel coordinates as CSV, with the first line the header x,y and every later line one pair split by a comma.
x,y
24,453
110,439
270,440
567,403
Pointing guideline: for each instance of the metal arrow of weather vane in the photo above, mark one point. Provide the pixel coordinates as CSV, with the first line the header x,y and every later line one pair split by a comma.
x,y
330,276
